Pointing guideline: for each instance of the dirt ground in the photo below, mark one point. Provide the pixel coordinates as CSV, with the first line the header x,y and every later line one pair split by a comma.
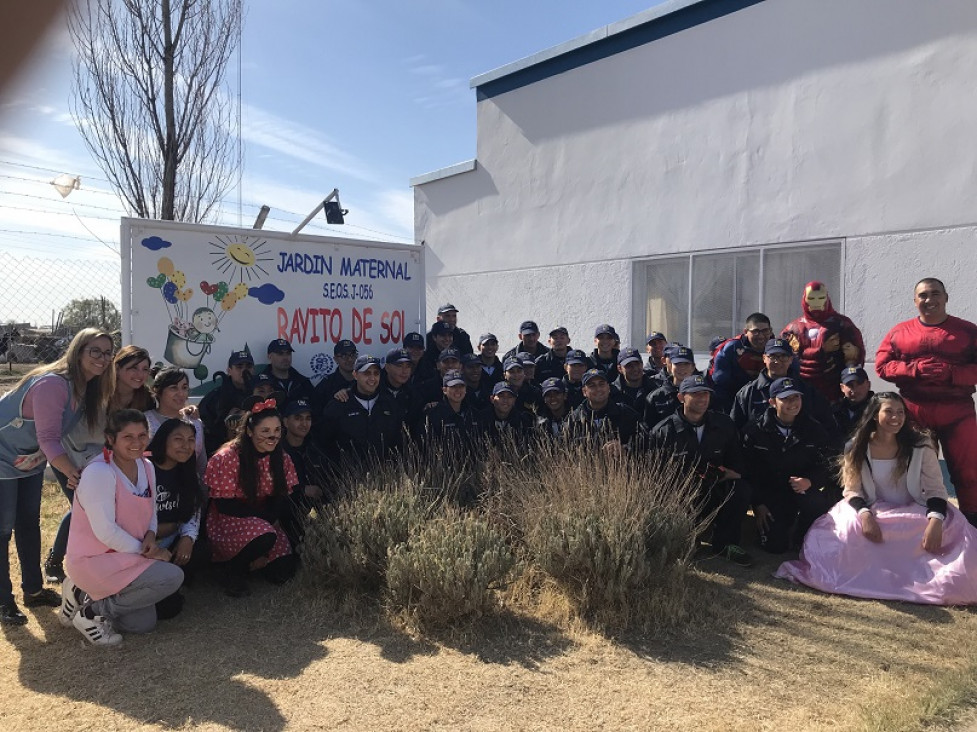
x,y
772,656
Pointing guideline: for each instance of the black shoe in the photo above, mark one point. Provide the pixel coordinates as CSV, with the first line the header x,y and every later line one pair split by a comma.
x,y
236,585
10,614
53,568
43,598
736,555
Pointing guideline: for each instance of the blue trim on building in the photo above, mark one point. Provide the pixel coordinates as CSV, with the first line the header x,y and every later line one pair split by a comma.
x,y
661,27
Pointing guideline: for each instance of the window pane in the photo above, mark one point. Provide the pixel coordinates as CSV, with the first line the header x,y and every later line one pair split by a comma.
x,y
668,298
725,289
786,271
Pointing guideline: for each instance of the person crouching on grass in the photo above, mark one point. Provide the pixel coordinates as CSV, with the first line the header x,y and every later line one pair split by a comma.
x,y
116,570
250,479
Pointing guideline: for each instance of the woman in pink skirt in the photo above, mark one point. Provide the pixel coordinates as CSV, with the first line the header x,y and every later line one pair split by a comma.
x,y
893,536
250,479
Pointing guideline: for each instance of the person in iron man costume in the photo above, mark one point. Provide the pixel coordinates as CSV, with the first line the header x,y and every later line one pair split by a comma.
x,y
824,341
932,359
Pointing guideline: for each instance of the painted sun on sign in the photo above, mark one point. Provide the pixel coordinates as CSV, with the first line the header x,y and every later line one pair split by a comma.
x,y
240,258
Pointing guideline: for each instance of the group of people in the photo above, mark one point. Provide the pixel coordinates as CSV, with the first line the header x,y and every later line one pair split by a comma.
x,y
159,487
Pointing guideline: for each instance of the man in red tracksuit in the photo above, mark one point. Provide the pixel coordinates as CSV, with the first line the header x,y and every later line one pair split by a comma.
x,y
933,361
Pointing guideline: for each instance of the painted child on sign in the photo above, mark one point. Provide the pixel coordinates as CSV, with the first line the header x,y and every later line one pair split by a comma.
x,y
824,340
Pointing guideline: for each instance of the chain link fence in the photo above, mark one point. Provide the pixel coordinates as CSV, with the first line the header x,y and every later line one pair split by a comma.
x,y
44,302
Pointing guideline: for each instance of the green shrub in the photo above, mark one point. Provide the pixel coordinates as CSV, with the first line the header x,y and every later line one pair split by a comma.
x,y
614,533
348,543
448,569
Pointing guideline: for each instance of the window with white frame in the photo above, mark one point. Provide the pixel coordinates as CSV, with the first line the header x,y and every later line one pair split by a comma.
x,y
694,298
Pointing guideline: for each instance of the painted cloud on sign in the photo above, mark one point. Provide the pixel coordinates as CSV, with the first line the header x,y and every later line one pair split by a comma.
x,y
155,243
267,294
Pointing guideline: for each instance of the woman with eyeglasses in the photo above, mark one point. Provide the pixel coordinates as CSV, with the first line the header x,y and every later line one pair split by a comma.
x,y
131,365
894,536
34,417
249,481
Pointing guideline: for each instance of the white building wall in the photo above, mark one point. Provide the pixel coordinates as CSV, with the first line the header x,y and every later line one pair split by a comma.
x,y
787,121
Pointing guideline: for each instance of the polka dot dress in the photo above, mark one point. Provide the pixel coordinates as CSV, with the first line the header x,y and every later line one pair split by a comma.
x,y
230,534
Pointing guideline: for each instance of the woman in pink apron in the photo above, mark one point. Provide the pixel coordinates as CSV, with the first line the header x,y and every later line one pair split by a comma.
x,y
250,479
116,570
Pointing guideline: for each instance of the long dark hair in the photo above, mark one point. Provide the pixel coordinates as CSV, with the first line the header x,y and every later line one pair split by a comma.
x,y
249,456
908,438
142,399
188,482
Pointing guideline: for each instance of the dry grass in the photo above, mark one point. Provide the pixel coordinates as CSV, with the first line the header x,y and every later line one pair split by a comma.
x,y
766,655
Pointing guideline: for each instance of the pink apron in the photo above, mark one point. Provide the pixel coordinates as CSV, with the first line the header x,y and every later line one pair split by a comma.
x,y
94,567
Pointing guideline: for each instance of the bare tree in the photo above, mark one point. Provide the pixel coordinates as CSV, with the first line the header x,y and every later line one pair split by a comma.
x,y
150,101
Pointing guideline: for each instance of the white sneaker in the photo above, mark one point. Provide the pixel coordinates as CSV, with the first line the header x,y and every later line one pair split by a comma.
x,y
70,602
98,631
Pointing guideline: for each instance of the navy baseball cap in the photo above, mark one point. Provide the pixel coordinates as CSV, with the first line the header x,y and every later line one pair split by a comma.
x,y
440,328
280,345
526,360
693,384
447,308
297,406
655,336
364,362
628,355
239,357
453,378
486,337
449,353
560,329
262,379
344,346
470,359
603,329
501,387
527,327
511,363
853,373
397,355
681,354
413,340
576,356
591,374
784,387
778,345
553,384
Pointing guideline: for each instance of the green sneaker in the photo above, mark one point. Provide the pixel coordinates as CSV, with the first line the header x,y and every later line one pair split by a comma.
x,y
736,555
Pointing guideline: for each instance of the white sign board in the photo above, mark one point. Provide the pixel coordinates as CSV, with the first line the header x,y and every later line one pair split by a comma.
x,y
193,294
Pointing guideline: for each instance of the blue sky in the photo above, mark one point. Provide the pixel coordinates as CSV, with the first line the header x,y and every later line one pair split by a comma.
x,y
356,94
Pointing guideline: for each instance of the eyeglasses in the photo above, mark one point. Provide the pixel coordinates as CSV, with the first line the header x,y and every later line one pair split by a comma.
x,y
759,331
98,354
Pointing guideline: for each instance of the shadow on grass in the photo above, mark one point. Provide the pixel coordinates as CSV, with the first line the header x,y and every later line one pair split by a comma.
x,y
192,670
501,638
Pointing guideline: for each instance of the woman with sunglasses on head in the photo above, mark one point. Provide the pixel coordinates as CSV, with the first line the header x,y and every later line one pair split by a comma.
x,y
249,480
117,571
131,365
171,387
894,536
34,417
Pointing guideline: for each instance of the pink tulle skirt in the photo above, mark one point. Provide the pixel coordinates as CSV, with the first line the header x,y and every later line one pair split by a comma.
x,y
837,558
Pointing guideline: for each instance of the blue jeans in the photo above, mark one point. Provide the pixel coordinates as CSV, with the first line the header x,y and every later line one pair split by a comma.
x,y
60,546
20,516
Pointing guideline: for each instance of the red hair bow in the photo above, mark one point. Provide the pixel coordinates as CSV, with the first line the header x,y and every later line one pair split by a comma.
x,y
262,406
